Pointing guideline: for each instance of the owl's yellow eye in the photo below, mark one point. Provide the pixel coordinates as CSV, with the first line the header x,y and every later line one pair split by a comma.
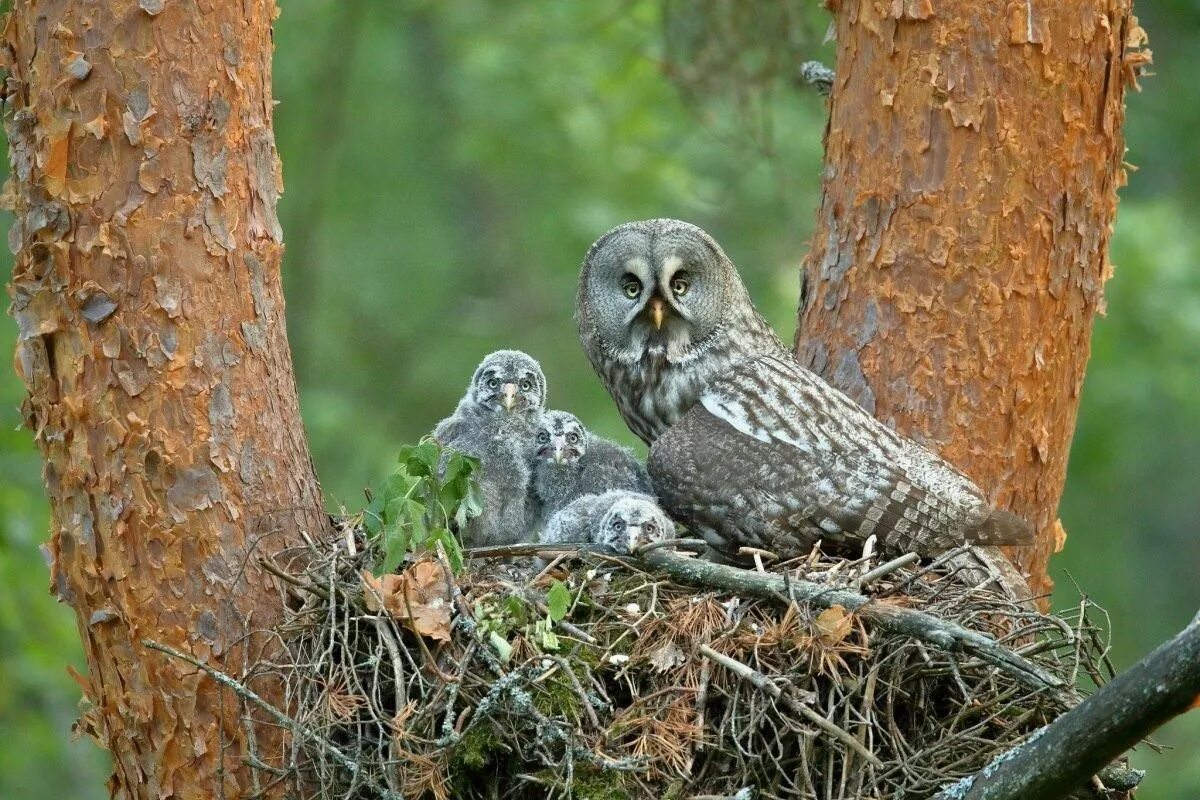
x,y
632,289
679,286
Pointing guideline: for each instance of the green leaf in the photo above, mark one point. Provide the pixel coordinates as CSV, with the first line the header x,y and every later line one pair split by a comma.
x,y
457,466
395,545
372,517
470,507
449,544
558,600
404,454
544,633
398,484
422,460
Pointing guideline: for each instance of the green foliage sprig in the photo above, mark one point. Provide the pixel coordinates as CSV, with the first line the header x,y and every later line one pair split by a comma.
x,y
431,493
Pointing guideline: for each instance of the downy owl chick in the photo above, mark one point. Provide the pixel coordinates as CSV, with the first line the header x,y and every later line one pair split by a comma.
x,y
572,462
496,422
621,519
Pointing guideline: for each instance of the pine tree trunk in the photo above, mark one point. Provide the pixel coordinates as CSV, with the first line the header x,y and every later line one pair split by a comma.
x,y
972,161
152,341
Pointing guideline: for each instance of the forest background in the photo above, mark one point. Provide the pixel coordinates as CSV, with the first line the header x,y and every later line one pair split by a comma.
x,y
446,166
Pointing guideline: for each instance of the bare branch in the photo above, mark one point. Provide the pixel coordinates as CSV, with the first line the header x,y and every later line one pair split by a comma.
x,y
1067,752
244,692
894,619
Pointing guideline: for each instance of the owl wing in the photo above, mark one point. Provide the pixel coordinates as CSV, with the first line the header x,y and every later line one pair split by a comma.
x,y
773,456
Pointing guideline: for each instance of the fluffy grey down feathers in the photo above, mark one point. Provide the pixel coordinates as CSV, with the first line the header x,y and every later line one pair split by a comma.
x,y
622,520
496,422
572,462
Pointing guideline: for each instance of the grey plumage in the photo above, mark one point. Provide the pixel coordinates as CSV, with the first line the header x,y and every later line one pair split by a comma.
x,y
747,446
621,519
571,462
496,421
655,375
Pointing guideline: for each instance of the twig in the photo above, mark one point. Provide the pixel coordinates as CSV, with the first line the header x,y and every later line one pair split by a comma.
x,y
682,544
887,568
894,619
764,684
296,728
568,628
1067,752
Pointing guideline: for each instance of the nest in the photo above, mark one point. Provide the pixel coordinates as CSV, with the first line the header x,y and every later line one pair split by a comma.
x,y
606,677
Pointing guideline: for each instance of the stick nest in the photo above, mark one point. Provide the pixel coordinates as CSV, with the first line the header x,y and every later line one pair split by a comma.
x,y
601,677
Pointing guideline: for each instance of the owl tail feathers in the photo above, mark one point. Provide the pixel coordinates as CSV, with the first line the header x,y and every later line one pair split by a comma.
x,y
1001,528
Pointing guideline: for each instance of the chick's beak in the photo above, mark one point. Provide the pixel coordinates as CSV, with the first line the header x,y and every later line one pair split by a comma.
x,y
657,307
509,390
633,534
560,446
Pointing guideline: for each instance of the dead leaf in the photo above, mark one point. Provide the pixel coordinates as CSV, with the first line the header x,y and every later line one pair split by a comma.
x,y
418,596
1060,536
666,657
833,625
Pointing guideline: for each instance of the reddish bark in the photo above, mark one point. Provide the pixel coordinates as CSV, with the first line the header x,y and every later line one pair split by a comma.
x,y
972,161
152,342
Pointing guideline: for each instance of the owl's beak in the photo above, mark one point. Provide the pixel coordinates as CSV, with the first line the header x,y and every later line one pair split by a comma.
x,y
509,390
633,535
560,446
657,308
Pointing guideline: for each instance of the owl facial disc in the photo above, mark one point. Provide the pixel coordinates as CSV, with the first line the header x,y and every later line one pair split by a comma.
x,y
561,438
509,381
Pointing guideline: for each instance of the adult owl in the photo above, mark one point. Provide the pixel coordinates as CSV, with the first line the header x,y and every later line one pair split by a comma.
x,y
571,462
747,446
497,421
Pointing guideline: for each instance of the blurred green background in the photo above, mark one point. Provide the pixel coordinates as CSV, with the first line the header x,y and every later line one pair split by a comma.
x,y
447,165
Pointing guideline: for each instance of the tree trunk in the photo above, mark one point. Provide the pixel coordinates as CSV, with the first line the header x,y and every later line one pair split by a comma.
x,y
971,167
152,342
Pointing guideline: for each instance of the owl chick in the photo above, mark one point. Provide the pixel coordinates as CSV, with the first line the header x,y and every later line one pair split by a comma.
x,y
496,422
747,446
571,462
623,520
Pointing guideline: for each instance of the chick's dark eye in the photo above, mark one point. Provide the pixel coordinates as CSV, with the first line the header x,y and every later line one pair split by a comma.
x,y
650,527
631,286
492,383
680,286
543,437
526,385
573,437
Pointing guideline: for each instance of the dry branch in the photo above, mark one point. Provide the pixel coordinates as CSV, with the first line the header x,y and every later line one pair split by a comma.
x,y
1067,752
895,619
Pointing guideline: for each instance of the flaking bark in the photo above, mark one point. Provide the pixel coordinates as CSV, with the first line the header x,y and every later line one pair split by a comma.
x,y
972,160
152,343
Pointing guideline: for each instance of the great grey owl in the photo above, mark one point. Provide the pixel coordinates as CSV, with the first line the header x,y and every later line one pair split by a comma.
x,y
571,462
496,421
621,519
747,446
